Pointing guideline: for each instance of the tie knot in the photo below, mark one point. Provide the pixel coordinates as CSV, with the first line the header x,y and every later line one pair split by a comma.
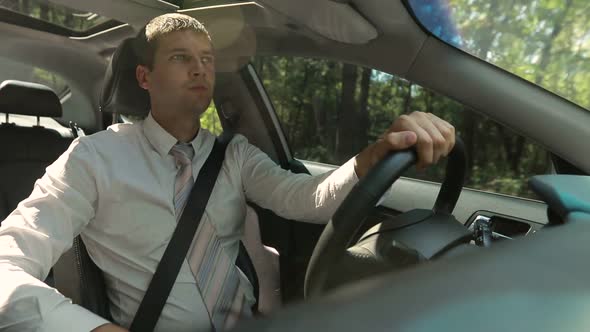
x,y
183,154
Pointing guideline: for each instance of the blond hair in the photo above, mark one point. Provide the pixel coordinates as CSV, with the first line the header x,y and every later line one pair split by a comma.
x,y
146,41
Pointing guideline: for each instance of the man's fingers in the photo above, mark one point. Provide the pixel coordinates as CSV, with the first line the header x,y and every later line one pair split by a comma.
x,y
433,138
392,142
446,130
400,140
424,147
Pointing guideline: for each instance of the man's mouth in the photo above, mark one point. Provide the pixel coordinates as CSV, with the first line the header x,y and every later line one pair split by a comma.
x,y
199,88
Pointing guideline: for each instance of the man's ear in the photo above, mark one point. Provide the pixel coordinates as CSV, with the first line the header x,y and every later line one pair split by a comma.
x,y
142,74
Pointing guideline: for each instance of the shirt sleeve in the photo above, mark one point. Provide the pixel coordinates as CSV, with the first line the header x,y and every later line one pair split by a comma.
x,y
36,234
293,196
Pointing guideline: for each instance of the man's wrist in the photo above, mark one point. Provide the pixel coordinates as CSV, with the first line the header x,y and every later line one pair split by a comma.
x,y
360,162
356,162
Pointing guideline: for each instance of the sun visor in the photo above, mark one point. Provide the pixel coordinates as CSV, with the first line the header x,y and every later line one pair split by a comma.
x,y
336,21
233,39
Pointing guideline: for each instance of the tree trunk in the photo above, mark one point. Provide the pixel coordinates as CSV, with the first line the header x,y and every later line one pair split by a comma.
x,y
429,97
259,66
347,119
469,139
324,132
506,143
44,12
408,100
518,150
319,117
363,115
296,118
25,6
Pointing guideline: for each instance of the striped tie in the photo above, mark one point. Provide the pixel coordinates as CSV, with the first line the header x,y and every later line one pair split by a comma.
x,y
216,275
183,156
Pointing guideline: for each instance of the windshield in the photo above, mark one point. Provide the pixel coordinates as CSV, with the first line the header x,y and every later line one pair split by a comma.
x,y
546,42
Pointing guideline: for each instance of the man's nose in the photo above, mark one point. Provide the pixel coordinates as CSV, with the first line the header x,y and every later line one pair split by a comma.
x,y
196,67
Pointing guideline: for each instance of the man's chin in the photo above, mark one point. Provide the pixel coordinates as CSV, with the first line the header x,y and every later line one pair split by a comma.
x,y
196,103
202,106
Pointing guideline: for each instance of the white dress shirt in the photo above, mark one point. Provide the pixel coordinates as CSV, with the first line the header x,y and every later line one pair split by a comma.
x,y
115,188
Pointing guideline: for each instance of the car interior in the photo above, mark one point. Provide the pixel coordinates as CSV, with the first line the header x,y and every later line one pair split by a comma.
x,y
413,262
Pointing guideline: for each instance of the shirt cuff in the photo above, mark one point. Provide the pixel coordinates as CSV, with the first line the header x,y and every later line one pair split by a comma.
x,y
68,317
347,173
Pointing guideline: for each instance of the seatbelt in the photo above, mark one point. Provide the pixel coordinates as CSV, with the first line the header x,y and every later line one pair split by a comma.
x,y
167,271
76,131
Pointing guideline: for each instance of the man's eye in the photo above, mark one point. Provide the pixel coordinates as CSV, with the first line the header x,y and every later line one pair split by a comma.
x,y
206,59
179,57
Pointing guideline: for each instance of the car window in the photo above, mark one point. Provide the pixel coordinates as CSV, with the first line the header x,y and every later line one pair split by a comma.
x,y
546,42
329,111
13,70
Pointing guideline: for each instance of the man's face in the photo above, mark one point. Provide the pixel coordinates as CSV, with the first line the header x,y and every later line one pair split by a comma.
x,y
183,74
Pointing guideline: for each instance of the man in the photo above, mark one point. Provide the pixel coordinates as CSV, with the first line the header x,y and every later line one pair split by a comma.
x,y
119,188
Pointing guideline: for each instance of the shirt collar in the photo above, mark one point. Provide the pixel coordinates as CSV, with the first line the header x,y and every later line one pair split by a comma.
x,y
162,141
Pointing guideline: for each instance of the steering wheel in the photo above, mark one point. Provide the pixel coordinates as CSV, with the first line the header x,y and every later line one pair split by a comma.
x,y
344,225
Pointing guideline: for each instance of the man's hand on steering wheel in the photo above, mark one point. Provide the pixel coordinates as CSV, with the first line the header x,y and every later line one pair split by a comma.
x,y
378,167
433,137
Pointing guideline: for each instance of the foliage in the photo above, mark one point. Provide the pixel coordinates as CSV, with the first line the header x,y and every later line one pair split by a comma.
x,y
546,42
49,79
210,120
307,96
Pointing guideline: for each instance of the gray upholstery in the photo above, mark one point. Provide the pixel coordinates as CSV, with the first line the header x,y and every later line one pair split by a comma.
x,y
78,278
121,94
266,264
25,152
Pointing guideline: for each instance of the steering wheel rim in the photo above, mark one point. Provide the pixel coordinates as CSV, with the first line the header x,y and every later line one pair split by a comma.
x,y
344,225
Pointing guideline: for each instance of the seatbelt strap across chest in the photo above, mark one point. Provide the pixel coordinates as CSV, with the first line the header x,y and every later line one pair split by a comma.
x,y
167,271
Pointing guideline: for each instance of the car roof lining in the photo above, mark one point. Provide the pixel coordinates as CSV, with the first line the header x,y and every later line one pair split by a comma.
x,y
399,30
335,21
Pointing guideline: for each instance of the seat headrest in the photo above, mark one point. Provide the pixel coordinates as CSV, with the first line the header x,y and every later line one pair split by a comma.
x,y
120,91
26,98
